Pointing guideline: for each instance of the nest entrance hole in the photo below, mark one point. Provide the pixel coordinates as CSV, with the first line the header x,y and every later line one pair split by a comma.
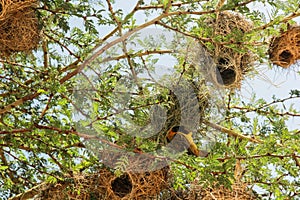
x,y
225,75
284,50
122,185
286,56
231,65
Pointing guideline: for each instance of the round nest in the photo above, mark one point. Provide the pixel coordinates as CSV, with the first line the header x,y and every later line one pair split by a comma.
x,y
106,185
284,50
187,105
9,7
231,58
144,175
19,29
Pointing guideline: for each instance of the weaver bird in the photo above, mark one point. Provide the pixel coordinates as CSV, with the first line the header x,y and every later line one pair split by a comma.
x,y
182,139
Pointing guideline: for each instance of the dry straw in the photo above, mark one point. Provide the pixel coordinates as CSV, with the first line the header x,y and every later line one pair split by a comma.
x,y
284,50
18,26
238,191
187,106
231,57
143,177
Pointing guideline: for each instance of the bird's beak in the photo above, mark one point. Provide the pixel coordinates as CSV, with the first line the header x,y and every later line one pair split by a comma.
x,y
193,147
190,134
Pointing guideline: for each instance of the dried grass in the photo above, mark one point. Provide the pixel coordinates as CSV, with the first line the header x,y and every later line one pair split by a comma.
x,y
284,50
134,183
19,29
238,191
231,58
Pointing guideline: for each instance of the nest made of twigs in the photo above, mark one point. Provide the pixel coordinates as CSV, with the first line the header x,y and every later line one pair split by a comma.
x,y
19,29
284,50
231,58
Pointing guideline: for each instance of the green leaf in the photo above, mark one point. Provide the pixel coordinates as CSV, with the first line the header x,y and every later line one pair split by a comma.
x,y
2,168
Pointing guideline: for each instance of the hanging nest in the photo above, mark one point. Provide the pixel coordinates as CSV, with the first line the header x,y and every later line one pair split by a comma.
x,y
144,176
9,7
231,58
106,185
187,105
19,29
284,50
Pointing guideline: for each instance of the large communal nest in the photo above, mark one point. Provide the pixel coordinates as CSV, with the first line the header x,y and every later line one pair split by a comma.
x,y
231,57
284,50
19,29
133,183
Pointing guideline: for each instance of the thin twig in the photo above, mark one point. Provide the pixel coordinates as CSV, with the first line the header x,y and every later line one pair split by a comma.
x,y
139,54
257,110
46,107
161,6
45,52
259,156
272,22
295,157
35,94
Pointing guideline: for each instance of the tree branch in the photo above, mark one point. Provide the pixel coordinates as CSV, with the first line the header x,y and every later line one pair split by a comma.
x,y
259,156
272,22
161,6
257,110
28,97
139,54
295,157
29,193
231,132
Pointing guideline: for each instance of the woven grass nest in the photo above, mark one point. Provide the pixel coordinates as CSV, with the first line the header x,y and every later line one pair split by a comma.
x,y
230,56
19,29
284,50
238,191
104,184
187,107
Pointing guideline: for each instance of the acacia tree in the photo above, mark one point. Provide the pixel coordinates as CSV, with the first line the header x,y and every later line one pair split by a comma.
x,y
93,75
